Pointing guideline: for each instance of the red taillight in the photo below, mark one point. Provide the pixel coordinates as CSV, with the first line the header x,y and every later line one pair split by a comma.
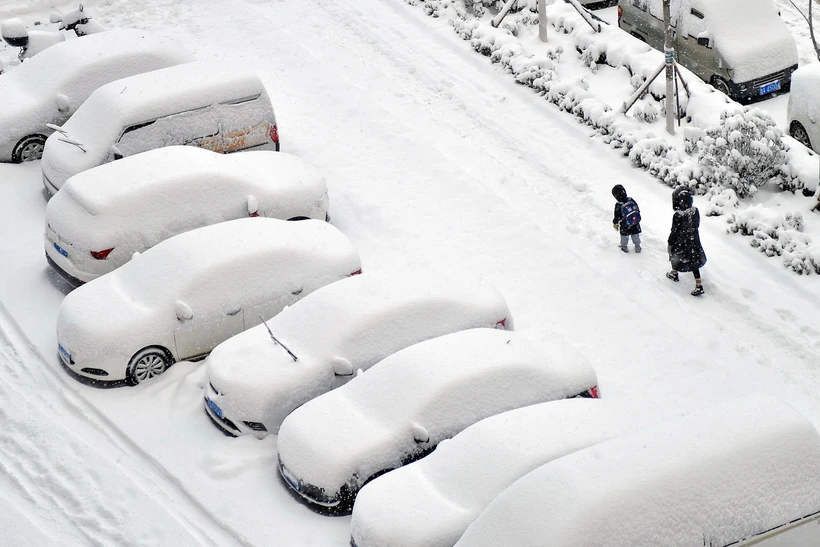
x,y
501,324
255,214
593,392
620,12
102,255
357,272
274,134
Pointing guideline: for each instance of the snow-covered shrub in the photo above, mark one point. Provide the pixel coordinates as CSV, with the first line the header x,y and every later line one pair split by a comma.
x,y
778,235
645,110
744,152
720,200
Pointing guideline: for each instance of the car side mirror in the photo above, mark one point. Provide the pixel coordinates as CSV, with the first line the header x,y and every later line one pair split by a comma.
x,y
704,41
342,367
55,18
63,104
420,434
253,206
184,312
115,152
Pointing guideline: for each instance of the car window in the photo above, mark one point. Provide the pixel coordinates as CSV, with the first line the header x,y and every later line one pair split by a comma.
x,y
184,128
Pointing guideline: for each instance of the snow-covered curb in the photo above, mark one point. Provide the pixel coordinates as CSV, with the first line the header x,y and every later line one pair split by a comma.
x,y
721,146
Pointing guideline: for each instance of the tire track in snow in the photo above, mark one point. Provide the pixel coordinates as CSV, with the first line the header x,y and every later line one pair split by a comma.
x,y
79,470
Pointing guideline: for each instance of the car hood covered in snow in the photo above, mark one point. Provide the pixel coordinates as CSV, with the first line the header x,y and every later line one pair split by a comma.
x,y
350,324
718,475
422,395
448,489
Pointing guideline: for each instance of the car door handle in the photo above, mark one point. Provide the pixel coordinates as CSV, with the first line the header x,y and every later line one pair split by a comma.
x,y
233,312
297,291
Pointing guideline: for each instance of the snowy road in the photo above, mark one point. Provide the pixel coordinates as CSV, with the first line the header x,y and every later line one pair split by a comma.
x,y
434,159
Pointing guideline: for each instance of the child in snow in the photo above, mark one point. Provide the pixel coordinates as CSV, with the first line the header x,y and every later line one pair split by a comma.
x,y
627,218
685,251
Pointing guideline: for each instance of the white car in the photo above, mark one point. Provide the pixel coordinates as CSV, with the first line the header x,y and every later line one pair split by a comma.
x,y
48,88
733,474
353,324
399,410
208,104
189,293
431,502
803,113
102,216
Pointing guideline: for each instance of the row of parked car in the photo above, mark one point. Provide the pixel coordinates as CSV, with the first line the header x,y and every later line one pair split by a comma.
x,y
359,374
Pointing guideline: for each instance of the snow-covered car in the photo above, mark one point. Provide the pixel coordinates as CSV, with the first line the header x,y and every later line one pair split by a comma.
x,y
254,383
102,216
50,87
803,114
182,297
733,474
742,47
206,104
400,409
431,502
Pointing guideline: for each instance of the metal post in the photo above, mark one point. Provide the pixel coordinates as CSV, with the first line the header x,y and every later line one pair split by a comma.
x,y
669,53
542,20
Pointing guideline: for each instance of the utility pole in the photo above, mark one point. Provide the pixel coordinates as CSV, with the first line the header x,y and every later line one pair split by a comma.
x,y
669,53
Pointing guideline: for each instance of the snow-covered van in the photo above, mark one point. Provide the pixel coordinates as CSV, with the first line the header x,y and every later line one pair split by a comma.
x,y
205,104
741,47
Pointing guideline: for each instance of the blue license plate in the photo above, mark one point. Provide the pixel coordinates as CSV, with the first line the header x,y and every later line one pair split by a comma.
x,y
61,250
66,356
214,408
770,88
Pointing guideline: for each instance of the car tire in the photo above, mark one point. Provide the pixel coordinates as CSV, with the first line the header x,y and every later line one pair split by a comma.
x,y
721,85
147,363
799,133
29,149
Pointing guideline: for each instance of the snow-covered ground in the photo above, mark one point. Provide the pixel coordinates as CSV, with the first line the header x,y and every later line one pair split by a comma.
x,y
433,157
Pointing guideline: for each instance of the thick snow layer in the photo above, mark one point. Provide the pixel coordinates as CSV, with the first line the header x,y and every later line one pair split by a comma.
x,y
75,68
437,388
804,100
430,503
352,324
248,262
750,36
136,202
716,476
212,86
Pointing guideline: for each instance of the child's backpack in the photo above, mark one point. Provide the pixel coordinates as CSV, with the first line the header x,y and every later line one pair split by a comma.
x,y
630,213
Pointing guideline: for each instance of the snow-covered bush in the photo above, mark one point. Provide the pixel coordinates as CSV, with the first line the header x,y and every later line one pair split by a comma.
x,y
778,235
744,152
719,200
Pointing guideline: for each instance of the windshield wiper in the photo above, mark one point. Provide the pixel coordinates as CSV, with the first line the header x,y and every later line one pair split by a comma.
x,y
57,128
272,337
78,144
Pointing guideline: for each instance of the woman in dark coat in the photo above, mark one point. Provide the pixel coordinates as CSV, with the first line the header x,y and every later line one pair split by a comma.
x,y
685,251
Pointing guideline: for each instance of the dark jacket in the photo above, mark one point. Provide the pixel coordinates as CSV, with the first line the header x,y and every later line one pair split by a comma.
x,y
685,250
616,221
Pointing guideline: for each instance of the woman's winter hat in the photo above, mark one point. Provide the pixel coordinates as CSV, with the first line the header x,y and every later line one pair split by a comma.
x,y
681,198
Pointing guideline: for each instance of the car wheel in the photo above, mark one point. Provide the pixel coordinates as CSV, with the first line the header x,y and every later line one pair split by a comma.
x,y
721,85
146,364
29,149
799,133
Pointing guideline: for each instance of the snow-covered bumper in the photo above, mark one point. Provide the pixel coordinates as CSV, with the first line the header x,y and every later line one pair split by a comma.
x,y
102,369
76,266
215,403
311,493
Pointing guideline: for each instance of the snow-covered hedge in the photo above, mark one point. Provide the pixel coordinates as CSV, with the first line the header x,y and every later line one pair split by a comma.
x,y
727,151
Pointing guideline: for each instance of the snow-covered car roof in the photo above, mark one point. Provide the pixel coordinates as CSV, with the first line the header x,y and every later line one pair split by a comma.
x,y
75,68
448,490
148,96
230,256
354,322
714,477
408,403
155,194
